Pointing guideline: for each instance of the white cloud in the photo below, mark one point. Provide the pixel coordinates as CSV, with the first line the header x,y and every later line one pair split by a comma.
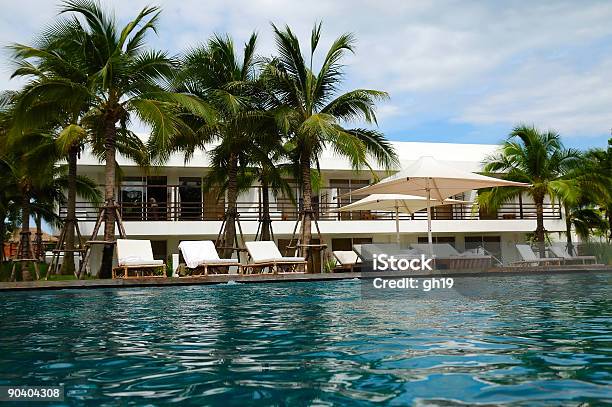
x,y
478,63
550,95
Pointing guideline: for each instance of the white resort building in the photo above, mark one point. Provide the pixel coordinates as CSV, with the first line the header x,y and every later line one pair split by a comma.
x,y
167,205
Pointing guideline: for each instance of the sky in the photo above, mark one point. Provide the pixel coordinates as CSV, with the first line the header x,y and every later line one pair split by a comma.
x,y
456,71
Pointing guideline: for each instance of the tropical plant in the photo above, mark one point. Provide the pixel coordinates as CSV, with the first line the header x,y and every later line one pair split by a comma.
x,y
311,111
583,191
58,91
123,78
598,163
532,157
9,196
225,80
34,182
270,169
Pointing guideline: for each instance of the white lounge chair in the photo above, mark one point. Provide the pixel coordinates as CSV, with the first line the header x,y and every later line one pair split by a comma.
x,y
347,259
201,256
561,251
439,249
446,256
137,256
530,258
265,254
357,250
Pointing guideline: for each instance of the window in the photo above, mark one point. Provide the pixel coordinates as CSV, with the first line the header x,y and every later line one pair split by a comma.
x,y
492,244
438,240
342,186
157,198
346,243
132,198
190,195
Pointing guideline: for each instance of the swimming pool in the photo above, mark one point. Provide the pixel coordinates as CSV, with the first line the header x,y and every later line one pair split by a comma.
x,y
548,340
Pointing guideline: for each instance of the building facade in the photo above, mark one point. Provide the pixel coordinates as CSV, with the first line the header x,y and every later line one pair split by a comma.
x,y
167,204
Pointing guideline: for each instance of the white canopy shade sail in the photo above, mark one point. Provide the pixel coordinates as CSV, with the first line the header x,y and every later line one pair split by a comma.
x,y
433,179
430,177
397,203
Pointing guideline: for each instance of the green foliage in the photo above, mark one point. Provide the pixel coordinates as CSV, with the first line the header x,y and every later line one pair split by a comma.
x,y
601,250
310,110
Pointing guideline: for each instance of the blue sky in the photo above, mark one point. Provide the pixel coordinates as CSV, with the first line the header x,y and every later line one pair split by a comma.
x,y
456,71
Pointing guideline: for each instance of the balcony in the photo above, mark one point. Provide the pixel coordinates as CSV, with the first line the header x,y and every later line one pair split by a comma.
x,y
147,203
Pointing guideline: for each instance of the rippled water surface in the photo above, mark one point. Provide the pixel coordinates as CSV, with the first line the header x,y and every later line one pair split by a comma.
x,y
546,341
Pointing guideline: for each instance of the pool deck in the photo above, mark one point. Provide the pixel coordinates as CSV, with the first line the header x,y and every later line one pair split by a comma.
x,y
275,278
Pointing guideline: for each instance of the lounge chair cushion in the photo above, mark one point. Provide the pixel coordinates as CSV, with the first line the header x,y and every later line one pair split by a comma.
x,y
135,261
346,257
200,252
527,253
131,252
267,252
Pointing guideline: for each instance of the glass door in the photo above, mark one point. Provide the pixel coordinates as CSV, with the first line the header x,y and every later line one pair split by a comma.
x,y
132,198
157,198
190,196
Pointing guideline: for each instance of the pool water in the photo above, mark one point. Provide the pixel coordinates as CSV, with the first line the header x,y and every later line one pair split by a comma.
x,y
546,341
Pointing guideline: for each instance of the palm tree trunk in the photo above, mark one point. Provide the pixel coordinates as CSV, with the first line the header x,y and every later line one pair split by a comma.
x,y
306,232
25,251
229,236
540,231
109,197
568,231
2,233
609,213
68,262
265,210
38,249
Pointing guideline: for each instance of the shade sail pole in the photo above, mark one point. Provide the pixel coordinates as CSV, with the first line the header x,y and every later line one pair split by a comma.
x,y
429,236
397,226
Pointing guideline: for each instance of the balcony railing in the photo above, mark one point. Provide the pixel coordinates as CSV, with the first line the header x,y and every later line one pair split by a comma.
x,y
325,205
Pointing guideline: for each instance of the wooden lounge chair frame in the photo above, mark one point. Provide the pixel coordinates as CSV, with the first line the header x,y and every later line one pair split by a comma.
x,y
206,268
569,259
546,261
123,271
274,266
203,269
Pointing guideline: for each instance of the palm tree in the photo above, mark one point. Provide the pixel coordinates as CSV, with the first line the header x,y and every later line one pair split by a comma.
x,y
311,111
26,174
270,169
123,78
60,94
9,196
49,66
533,157
581,190
32,179
220,77
599,161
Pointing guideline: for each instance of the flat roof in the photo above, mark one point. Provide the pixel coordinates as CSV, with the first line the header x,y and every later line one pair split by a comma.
x,y
465,156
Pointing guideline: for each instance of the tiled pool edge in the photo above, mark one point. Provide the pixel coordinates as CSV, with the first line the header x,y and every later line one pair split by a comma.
x,y
270,278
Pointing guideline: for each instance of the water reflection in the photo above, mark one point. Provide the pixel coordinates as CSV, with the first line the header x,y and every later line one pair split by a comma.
x,y
546,340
